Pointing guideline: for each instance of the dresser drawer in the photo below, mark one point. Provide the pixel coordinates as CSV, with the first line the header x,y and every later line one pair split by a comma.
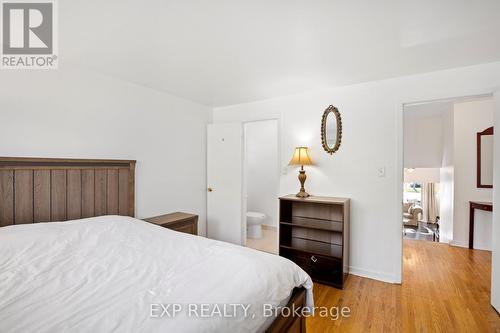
x,y
327,270
187,228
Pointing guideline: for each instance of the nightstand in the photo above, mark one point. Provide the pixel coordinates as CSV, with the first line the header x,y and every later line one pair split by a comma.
x,y
178,221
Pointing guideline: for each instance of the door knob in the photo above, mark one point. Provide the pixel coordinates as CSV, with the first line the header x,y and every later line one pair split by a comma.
x,y
209,189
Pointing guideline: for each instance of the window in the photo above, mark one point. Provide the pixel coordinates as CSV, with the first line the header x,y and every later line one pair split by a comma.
x,y
413,193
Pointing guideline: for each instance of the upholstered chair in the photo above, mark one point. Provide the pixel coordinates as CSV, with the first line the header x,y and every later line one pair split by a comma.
x,y
411,216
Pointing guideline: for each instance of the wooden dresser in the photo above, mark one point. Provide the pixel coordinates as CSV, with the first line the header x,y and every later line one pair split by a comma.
x,y
314,233
183,222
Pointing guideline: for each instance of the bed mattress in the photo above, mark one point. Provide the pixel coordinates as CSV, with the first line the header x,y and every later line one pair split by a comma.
x,y
119,274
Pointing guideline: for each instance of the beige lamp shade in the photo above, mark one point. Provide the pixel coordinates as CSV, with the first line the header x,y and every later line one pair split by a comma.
x,y
300,157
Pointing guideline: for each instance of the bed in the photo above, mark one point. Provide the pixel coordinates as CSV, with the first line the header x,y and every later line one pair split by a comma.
x,y
102,270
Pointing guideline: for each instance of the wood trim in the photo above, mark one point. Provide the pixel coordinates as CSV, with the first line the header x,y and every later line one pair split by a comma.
x,y
58,189
131,188
488,131
287,324
6,197
51,162
473,205
316,199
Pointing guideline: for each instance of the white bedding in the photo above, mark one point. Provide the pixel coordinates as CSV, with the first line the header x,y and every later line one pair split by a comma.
x,y
102,275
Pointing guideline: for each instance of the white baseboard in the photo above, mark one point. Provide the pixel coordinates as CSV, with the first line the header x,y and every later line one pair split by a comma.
x,y
444,240
380,276
466,245
459,243
482,248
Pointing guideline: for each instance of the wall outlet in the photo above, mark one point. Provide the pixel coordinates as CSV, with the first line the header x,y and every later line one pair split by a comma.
x,y
381,172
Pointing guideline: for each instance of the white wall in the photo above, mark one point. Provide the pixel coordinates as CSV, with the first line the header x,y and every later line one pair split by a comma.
x,y
74,113
446,177
421,175
372,138
495,266
261,139
469,118
423,138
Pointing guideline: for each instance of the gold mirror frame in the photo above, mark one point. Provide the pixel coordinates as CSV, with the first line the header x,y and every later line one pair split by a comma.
x,y
336,112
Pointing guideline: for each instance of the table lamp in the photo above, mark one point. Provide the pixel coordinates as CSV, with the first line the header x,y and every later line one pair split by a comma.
x,y
301,157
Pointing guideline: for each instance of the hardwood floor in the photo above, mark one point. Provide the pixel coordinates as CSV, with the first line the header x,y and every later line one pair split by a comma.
x,y
445,289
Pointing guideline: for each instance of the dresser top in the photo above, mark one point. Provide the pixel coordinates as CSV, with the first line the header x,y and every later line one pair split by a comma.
x,y
170,218
317,199
486,203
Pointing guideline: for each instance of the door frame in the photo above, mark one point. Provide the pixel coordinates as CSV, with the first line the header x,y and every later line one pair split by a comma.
x,y
279,167
495,265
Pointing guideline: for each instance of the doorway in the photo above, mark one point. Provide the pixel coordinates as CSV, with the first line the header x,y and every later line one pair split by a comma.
x,y
428,147
440,169
261,185
442,179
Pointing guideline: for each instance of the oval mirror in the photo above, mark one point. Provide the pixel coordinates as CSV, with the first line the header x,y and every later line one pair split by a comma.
x,y
331,130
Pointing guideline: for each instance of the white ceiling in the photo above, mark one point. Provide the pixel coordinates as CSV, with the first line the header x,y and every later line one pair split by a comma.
x,y
227,52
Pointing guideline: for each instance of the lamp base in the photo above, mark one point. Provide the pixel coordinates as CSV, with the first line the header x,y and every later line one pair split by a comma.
x,y
302,178
302,194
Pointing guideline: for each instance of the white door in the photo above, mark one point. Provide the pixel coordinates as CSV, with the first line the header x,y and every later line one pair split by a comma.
x,y
224,182
495,235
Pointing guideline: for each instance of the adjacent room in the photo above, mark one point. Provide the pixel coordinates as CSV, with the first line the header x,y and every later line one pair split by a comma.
x,y
249,166
262,184
447,196
448,168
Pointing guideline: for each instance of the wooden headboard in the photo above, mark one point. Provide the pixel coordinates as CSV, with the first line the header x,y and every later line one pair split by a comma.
x,y
53,189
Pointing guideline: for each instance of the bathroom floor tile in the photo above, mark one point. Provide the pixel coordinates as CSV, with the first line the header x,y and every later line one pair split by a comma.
x,y
268,242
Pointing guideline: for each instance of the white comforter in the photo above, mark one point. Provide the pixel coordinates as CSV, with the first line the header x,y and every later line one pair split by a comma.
x,y
103,275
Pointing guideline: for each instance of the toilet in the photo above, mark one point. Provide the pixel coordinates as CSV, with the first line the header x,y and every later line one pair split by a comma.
x,y
254,224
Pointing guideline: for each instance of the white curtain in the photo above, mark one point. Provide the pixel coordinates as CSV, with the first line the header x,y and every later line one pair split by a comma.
x,y
430,202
